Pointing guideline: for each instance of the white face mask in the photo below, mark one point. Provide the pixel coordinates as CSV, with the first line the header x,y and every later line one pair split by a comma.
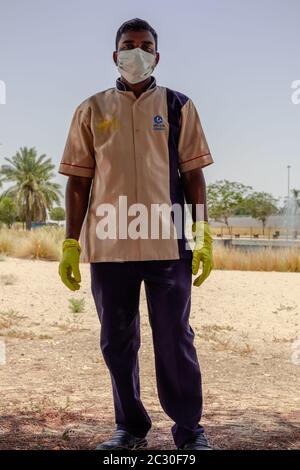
x,y
135,65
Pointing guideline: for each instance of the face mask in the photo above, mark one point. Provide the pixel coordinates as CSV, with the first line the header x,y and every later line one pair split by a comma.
x,y
135,65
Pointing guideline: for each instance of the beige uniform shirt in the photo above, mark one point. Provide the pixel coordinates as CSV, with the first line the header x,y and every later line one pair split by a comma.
x,y
138,148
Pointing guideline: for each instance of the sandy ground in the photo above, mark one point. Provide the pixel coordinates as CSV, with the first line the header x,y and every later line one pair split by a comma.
x,y
56,390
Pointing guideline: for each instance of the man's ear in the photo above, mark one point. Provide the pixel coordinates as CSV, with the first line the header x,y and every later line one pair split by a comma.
x,y
157,57
115,58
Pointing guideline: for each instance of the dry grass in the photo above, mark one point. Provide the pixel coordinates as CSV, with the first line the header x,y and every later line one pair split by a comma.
x,y
9,318
284,340
283,260
216,336
45,243
214,327
20,334
39,243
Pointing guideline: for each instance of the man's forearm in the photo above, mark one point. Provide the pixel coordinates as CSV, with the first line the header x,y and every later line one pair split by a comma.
x,y
195,192
77,199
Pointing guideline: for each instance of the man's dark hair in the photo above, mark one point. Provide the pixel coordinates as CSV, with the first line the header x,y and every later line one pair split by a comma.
x,y
136,24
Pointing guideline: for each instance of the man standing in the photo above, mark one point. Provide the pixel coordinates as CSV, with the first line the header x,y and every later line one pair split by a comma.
x,y
144,143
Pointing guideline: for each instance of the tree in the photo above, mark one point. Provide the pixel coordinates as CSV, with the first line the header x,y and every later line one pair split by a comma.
x,y
224,198
57,214
261,205
33,190
8,211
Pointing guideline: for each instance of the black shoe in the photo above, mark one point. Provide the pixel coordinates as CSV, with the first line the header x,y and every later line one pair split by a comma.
x,y
198,442
122,439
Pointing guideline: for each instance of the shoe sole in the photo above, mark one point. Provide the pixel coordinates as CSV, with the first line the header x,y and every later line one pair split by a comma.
x,y
138,445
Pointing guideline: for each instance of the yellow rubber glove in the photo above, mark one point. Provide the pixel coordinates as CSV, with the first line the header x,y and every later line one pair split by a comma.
x,y
202,250
69,263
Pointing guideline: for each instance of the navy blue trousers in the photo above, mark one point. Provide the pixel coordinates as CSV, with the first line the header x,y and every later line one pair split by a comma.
x,y
116,291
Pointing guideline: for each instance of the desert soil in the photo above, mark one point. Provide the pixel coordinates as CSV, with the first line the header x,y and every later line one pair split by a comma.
x,y
55,388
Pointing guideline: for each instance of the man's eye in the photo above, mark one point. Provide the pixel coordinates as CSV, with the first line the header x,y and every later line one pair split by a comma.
x,y
148,49
130,46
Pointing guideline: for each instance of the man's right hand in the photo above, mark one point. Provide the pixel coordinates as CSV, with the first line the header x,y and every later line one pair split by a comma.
x,y
69,264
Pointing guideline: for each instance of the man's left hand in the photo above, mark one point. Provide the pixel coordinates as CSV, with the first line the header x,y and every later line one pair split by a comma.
x,y
202,251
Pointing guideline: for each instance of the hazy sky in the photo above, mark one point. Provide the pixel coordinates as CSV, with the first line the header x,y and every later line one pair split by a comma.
x,y
235,59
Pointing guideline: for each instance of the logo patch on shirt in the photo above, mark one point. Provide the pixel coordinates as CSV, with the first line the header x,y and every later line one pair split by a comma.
x,y
158,123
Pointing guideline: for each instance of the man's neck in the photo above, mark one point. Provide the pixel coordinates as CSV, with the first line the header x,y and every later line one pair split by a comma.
x,y
137,88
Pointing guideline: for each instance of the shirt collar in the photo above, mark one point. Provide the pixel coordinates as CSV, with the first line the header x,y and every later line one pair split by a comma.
x,y
120,85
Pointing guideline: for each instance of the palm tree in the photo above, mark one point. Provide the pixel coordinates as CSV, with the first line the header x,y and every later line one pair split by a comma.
x,y
33,191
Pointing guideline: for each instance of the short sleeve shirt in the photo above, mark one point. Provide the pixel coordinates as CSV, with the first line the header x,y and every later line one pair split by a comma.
x,y
136,148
